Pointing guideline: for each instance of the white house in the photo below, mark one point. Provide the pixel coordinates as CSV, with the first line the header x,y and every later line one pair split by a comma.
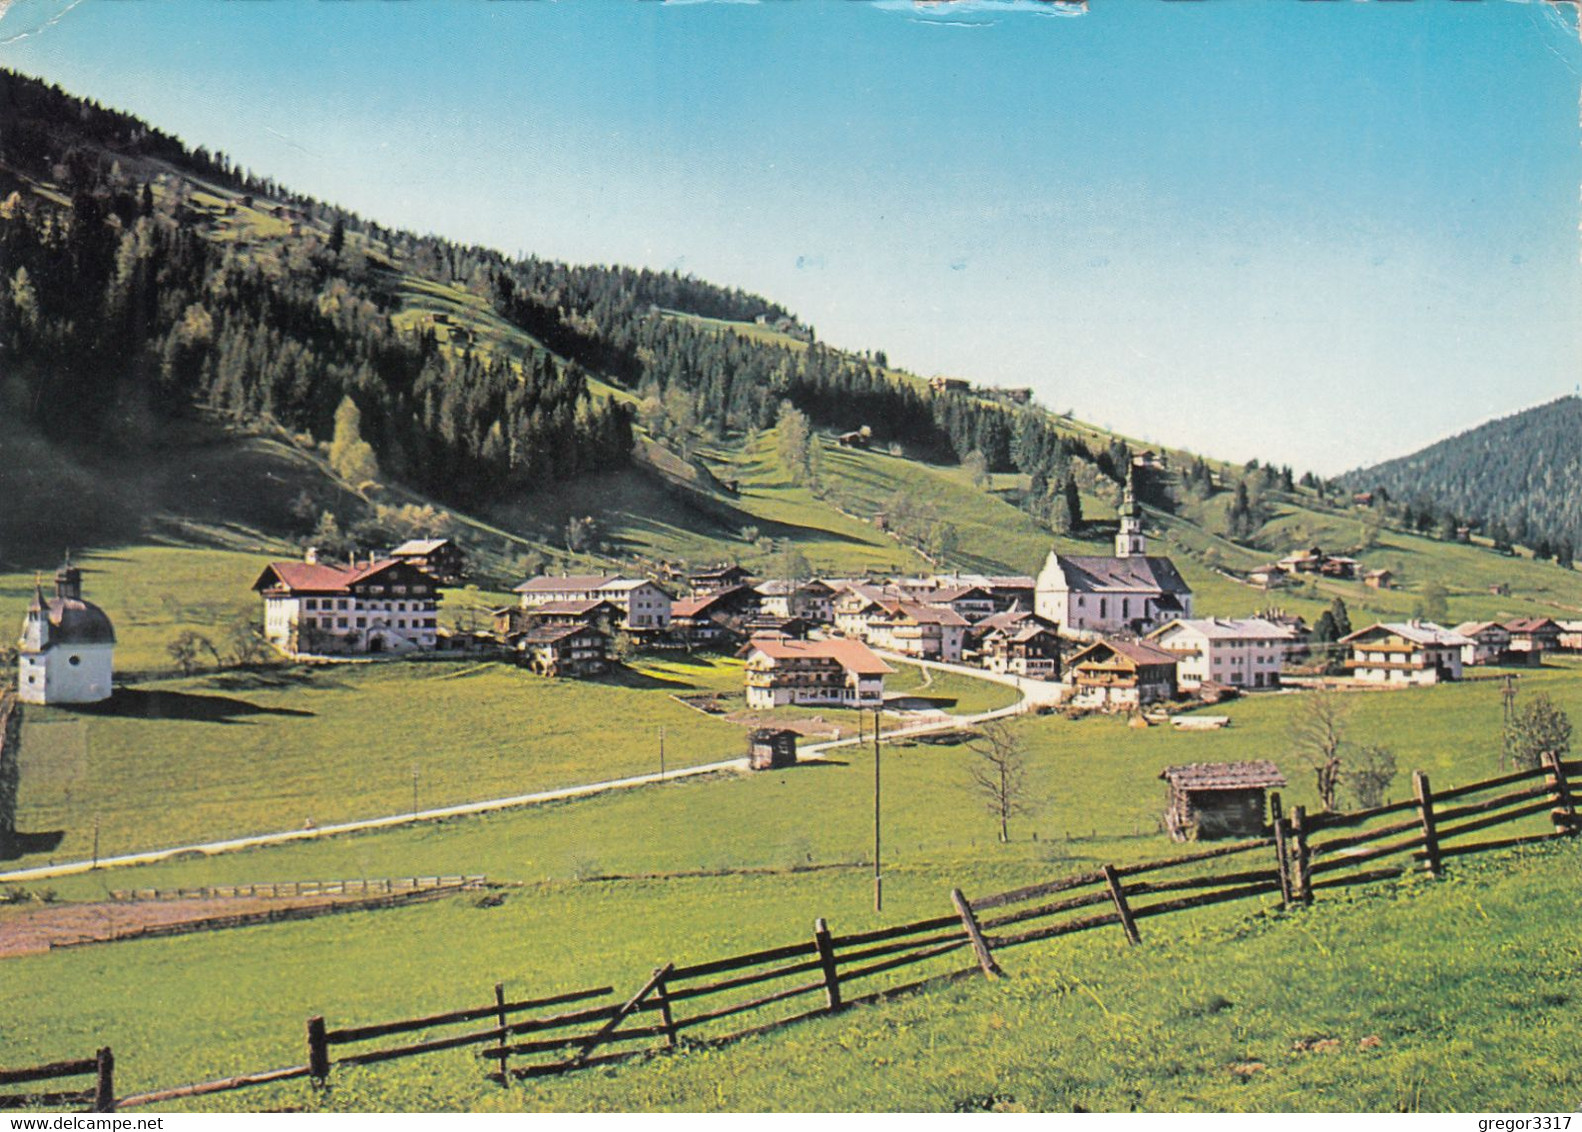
x,y
643,605
65,655
1244,653
1412,652
838,673
1131,592
1487,642
930,632
379,606
811,600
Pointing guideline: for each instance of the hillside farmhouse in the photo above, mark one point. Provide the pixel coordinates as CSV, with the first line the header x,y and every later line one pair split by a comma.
x,y
912,629
1411,652
66,654
1029,649
380,606
1131,592
1531,637
1118,674
1488,642
1241,653
643,605
562,650
812,600
439,558
838,673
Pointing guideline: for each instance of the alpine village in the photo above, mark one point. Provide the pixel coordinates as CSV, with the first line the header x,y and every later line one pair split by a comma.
x,y
452,681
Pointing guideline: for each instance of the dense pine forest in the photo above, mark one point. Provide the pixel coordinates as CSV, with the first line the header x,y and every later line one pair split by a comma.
x,y
1518,478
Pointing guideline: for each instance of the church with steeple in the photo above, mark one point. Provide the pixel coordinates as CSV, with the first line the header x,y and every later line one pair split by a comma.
x,y
66,647
1132,592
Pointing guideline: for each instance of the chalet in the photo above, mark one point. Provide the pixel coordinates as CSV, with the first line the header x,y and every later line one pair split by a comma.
x,y
1115,674
718,578
1209,800
66,654
1570,636
602,615
1315,561
1019,395
643,605
837,673
973,603
940,384
1531,637
1379,579
562,650
1011,619
927,632
812,600
720,615
1131,592
383,606
1030,650
1412,652
857,438
440,558
857,606
1268,576
1488,642
1240,653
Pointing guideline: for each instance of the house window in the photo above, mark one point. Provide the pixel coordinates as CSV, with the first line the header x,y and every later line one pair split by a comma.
x,y
311,603
362,622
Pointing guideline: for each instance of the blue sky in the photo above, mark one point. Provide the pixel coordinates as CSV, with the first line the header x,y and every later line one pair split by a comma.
x,y
1323,233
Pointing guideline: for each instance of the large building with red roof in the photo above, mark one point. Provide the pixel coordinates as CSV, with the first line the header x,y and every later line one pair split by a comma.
x,y
378,606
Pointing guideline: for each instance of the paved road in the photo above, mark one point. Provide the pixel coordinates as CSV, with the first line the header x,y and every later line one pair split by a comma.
x,y
1033,691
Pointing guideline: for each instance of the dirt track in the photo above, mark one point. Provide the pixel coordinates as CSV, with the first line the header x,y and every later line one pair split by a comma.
x,y
30,928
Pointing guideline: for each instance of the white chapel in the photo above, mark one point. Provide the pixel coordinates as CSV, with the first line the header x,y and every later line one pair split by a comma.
x,y
66,646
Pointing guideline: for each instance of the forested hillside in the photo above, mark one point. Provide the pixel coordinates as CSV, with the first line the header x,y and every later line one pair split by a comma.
x,y
145,282
1518,478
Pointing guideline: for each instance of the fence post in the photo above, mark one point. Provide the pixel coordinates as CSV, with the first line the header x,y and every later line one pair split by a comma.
x,y
667,1018
826,958
1564,814
1282,852
499,1014
1118,895
1425,810
1301,856
104,1082
980,946
318,1050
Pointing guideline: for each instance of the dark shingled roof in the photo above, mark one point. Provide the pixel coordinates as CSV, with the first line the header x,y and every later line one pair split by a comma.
x,y
1095,574
1224,776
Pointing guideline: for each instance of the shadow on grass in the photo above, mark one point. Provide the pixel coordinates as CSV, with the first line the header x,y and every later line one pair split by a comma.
x,y
141,703
629,678
20,845
909,702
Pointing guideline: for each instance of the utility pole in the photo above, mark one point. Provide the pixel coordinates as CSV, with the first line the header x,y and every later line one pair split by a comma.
x,y
96,841
1508,706
878,876
661,752
414,789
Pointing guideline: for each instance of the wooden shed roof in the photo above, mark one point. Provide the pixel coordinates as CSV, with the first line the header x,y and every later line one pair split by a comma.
x,y
1224,776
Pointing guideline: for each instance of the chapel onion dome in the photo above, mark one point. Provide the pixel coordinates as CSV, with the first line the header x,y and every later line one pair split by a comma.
x,y
71,620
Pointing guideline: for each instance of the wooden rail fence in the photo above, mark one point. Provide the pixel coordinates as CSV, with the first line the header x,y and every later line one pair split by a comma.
x,y
363,886
99,1097
722,1000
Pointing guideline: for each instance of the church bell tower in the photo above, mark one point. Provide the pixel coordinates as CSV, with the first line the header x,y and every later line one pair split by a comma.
x,y
1130,542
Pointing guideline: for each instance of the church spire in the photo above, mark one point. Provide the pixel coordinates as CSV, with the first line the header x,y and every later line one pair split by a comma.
x,y
1129,539
68,581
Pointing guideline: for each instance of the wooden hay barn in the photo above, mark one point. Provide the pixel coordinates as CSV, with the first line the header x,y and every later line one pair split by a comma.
x,y
1209,800
771,749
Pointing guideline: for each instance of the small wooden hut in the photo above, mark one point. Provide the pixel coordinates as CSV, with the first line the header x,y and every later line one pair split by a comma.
x,y
771,749
1209,800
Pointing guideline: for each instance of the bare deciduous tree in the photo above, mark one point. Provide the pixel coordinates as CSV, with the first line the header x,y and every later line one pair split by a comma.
x,y
1367,775
999,773
1318,729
